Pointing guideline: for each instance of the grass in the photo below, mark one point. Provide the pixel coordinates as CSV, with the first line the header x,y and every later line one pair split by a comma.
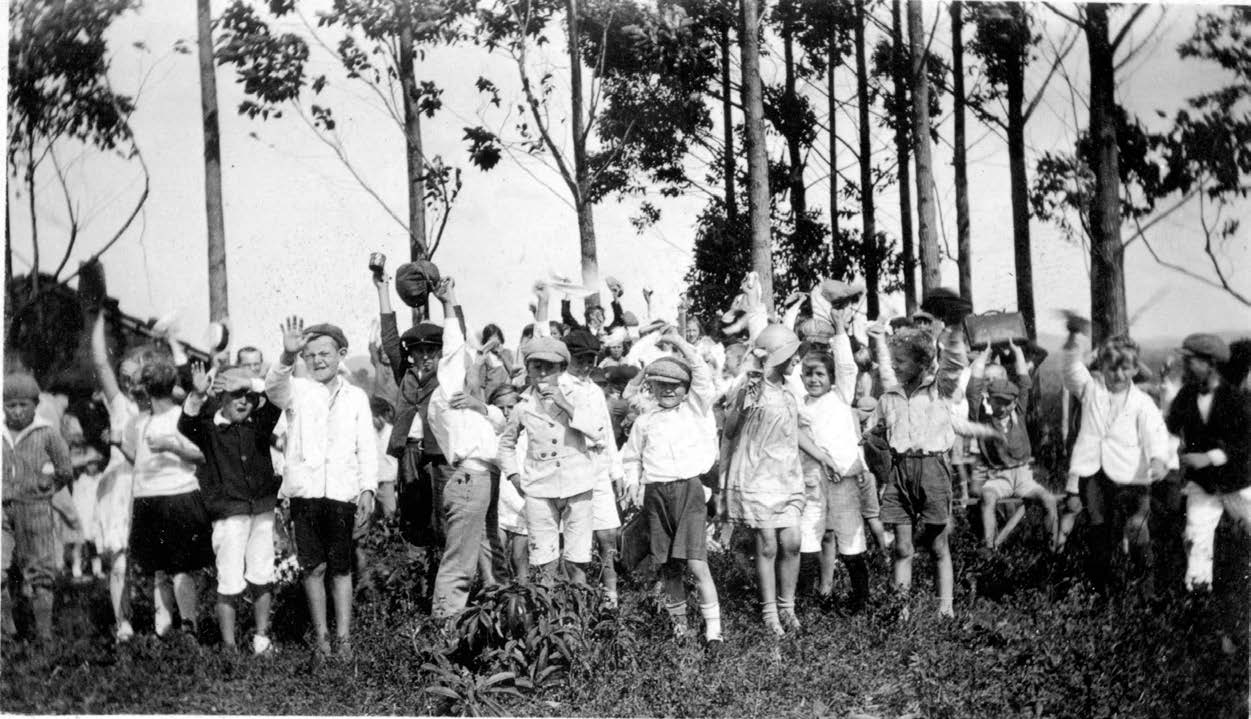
x,y
1030,640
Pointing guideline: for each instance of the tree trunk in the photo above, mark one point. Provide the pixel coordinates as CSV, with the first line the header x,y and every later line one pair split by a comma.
x,y
582,175
900,66
34,217
831,61
1107,255
931,270
869,231
218,300
727,127
757,161
1020,190
964,248
794,143
416,164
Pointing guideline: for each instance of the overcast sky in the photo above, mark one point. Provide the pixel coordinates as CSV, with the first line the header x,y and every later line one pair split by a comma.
x,y
299,228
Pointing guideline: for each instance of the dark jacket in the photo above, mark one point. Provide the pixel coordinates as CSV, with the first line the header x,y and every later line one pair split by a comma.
x,y
414,395
1228,429
237,476
1015,448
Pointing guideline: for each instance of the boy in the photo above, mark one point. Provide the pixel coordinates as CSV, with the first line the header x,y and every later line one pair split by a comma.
x,y
240,490
1213,419
670,447
36,465
332,468
920,425
1121,448
1005,466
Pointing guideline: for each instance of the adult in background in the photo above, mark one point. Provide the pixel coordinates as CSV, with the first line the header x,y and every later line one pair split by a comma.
x,y
1213,420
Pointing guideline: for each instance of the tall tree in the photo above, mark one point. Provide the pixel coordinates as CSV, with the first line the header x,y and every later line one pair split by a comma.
x,y
868,233
901,73
218,297
727,115
378,47
931,270
757,160
964,246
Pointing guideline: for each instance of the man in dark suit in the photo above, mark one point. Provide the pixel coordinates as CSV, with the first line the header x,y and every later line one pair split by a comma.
x,y
1213,420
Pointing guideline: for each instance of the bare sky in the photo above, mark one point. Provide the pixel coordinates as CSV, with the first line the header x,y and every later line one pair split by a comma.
x,y
299,228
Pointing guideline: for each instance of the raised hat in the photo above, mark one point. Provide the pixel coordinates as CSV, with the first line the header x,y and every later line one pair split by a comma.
x,y
547,349
21,385
580,342
622,373
628,319
815,329
1206,345
838,292
327,330
670,370
617,337
415,280
426,334
947,305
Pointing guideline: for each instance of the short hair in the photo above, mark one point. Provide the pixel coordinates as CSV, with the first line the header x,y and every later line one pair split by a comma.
x,y
817,356
492,330
1118,351
158,375
249,348
527,332
917,343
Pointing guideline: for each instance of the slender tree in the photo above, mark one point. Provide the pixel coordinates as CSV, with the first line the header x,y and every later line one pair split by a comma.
x,y
868,233
218,298
757,160
727,119
901,72
931,271
964,247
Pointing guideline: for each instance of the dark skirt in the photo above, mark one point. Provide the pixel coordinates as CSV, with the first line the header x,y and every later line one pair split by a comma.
x,y
171,534
676,519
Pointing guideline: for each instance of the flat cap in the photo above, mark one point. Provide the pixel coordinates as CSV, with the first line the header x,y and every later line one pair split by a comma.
x,y
327,330
426,334
1004,388
547,349
947,305
670,370
414,280
622,374
1206,345
815,329
580,342
838,292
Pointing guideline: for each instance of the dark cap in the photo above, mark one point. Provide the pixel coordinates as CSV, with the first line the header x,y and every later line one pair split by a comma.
x,y
947,305
327,330
422,334
581,342
622,374
1003,388
1208,346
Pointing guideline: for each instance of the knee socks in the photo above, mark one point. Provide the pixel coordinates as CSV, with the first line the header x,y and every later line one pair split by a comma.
x,y
712,620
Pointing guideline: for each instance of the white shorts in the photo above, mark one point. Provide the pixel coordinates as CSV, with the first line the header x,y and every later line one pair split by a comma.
x,y
546,517
604,514
244,547
1003,483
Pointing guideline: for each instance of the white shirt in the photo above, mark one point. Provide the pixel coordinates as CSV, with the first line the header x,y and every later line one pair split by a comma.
x,y
332,449
604,453
158,474
833,426
463,434
557,458
667,445
388,466
1120,434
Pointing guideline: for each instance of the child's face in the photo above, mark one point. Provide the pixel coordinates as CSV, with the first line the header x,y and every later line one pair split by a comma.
x,y
19,413
1118,376
581,364
595,317
542,371
906,367
238,406
505,403
733,360
816,378
668,394
616,351
425,358
789,365
1000,407
322,357
693,332
1197,370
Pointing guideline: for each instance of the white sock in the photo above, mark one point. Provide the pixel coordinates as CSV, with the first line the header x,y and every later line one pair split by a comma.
x,y
712,620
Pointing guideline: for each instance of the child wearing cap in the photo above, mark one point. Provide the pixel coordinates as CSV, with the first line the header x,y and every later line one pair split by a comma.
x,y
36,465
331,468
763,488
1122,447
917,419
231,425
671,446
1004,467
560,473
1213,419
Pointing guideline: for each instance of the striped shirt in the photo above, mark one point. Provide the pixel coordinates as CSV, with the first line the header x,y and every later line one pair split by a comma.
x,y
36,462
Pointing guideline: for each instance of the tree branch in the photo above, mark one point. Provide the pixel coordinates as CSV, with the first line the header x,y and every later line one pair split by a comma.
x,y
69,211
143,198
1060,56
1116,42
1079,23
520,58
1143,228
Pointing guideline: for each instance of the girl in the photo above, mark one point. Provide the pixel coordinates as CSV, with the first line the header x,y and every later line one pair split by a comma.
x,y
764,485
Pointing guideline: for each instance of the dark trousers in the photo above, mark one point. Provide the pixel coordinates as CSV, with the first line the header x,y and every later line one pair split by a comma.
x,y
1116,511
420,496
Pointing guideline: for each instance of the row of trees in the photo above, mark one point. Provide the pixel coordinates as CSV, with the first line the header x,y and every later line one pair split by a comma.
x,y
664,98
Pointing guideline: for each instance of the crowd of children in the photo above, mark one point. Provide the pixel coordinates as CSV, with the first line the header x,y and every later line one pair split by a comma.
x,y
808,431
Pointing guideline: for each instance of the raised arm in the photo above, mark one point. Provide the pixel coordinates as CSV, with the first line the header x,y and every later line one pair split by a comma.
x,y
278,381
100,360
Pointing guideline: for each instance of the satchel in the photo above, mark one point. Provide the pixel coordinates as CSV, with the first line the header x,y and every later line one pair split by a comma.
x,y
995,328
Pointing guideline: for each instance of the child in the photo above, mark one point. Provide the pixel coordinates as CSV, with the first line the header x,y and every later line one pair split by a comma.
x,y
1004,468
239,488
832,459
331,468
919,424
510,507
36,465
670,447
388,467
169,531
764,486
88,464
1121,448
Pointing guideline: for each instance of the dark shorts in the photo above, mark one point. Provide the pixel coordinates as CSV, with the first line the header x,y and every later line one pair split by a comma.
x,y
323,533
1110,503
171,534
676,519
419,496
919,490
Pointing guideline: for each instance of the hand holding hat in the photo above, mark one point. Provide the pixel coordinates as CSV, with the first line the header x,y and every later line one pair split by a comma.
x,y
1075,323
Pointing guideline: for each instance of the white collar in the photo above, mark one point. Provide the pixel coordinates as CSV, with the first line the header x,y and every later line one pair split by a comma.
x,y
35,424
